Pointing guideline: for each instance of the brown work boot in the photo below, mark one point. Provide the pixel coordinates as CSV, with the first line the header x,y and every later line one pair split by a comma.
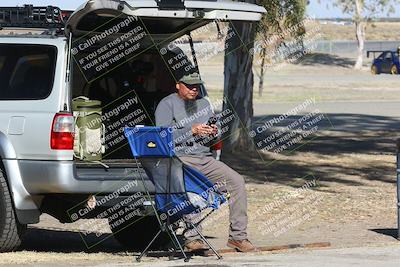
x,y
196,245
242,245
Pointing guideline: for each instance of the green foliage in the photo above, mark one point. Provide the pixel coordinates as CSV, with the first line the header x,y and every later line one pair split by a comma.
x,y
282,15
281,23
366,10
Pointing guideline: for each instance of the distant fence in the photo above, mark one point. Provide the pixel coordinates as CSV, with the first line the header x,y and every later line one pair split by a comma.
x,y
326,47
344,47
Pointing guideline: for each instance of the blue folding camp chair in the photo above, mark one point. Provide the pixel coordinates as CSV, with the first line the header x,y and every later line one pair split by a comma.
x,y
179,189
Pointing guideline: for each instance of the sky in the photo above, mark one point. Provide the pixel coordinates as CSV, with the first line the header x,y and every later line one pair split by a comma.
x,y
318,9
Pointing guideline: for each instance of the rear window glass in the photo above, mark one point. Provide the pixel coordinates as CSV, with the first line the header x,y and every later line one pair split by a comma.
x,y
26,71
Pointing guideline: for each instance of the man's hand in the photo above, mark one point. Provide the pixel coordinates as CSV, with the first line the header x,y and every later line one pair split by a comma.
x,y
204,130
215,129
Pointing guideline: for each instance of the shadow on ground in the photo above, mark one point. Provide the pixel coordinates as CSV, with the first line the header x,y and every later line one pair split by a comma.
x,y
58,241
386,231
343,122
43,240
351,133
355,138
326,59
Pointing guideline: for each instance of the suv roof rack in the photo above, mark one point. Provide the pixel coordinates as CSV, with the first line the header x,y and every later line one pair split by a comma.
x,y
29,16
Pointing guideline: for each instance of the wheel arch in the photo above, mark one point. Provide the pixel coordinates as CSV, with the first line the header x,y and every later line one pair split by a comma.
x,y
26,208
7,150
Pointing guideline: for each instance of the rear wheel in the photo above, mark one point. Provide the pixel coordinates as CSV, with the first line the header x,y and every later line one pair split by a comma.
x,y
137,233
11,231
394,70
374,70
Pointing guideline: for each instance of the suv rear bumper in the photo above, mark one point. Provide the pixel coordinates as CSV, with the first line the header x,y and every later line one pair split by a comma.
x,y
31,180
65,177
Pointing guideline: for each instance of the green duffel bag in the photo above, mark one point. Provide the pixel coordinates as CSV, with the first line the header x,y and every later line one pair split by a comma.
x,y
89,129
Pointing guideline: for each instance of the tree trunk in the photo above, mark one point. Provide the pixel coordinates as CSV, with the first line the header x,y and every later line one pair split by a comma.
x,y
238,87
360,34
262,72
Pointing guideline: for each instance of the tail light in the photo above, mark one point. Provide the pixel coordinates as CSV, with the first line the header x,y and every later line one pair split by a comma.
x,y
217,146
62,132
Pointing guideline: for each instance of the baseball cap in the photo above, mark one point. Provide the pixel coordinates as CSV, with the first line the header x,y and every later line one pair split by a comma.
x,y
191,79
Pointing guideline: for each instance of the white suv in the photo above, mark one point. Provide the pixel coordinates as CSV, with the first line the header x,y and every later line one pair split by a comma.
x,y
41,74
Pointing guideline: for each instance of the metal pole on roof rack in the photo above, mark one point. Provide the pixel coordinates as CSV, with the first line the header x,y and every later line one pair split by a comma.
x,y
220,35
69,58
196,65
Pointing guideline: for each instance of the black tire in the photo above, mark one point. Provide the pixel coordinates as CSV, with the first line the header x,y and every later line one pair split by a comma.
x,y
374,70
11,231
394,70
137,233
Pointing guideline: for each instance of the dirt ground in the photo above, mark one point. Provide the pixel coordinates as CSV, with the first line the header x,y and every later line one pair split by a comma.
x,y
338,186
351,204
375,31
325,77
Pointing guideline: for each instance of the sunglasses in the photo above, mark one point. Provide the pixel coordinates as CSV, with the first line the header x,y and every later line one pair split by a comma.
x,y
192,86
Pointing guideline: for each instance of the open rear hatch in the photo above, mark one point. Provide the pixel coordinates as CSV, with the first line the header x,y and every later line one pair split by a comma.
x,y
163,17
96,30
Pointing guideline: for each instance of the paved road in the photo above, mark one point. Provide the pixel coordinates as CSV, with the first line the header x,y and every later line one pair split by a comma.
x,y
338,116
367,256
372,108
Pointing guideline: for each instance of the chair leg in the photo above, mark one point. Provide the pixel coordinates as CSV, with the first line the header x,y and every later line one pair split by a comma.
x,y
175,246
171,253
144,252
205,240
179,244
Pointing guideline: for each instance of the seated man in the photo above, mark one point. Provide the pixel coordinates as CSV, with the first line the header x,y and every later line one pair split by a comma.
x,y
188,116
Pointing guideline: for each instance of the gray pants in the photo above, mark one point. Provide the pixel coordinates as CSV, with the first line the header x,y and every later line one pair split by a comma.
x,y
219,172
